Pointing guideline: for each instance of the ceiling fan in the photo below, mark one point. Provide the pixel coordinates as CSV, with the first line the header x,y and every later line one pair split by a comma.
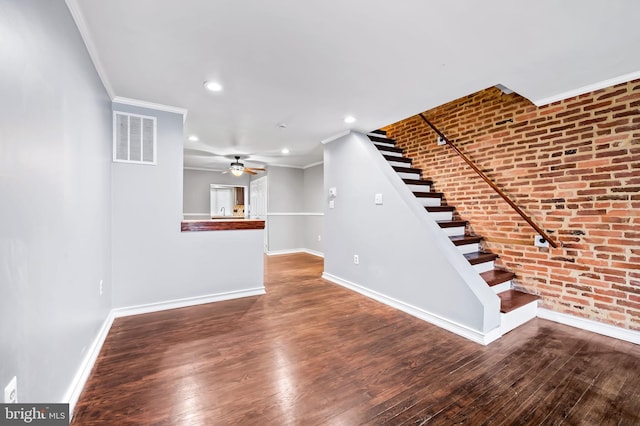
x,y
237,168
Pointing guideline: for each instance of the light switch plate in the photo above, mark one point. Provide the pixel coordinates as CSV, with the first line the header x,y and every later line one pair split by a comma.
x,y
378,199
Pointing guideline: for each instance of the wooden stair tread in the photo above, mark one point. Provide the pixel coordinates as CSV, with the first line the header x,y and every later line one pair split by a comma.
x,y
406,169
480,257
397,159
497,276
434,209
389,148
379,132
428,194
513,299
381,139
417,181
451,223
461,240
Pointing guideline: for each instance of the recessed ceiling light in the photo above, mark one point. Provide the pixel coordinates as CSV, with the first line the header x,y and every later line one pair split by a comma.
x,y
285,150
349,119
213,86
193,138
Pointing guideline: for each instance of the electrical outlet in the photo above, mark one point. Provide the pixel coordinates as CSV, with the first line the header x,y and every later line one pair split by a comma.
x,y
378,199
538,241
356,259
11,391
101,287
319,237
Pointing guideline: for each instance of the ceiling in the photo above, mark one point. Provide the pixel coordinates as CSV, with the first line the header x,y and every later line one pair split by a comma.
x,y
292,70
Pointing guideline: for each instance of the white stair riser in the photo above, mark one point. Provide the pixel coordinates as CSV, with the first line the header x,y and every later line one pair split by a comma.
x,y
484,267
391,154
517,317
429,202
454,232
398,163
384,144
404,175
501,287
441,215
419,188
469,248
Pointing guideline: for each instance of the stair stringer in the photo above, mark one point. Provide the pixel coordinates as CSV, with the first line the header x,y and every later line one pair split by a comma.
x,y
450,293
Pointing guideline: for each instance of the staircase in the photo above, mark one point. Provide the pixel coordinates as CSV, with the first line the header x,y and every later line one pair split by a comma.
x,y
516,307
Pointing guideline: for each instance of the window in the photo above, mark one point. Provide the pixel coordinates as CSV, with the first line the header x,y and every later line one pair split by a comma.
x,y
134,138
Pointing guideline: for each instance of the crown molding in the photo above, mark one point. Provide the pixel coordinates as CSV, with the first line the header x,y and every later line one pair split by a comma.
x,y
335,137
587,89
151,105
308,166
85,34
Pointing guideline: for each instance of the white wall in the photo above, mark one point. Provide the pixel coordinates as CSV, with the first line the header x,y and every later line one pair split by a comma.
x,y
295,208
285,200
197,184
153,262
404,257
314,199
55,149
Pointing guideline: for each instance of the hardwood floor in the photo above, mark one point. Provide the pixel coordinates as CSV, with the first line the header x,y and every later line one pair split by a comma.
x,y
310,352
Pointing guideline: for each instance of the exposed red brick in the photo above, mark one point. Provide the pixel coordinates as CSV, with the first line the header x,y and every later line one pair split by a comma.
x,y
573,166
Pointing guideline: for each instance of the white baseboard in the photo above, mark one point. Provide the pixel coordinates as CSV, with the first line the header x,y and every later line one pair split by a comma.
x,y
590,325
189,301
84,370
292,251
459,329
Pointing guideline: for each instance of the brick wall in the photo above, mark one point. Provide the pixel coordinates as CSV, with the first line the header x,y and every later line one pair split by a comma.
x,y
573,166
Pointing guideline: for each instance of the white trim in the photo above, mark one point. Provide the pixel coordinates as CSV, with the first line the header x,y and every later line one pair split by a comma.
x,y
78,17
284,166
588,88
308,166
459,329
202,169
295,214
197,214
294,251
335,137
151,105
590,325
188,301
86,365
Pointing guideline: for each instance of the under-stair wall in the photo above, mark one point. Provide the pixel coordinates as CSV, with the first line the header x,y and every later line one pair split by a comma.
x,y
405,260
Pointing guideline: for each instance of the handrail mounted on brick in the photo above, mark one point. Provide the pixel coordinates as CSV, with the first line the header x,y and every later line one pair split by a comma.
x,y
480,173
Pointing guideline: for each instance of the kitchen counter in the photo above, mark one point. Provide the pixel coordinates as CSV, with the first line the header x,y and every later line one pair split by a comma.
x,y
221,224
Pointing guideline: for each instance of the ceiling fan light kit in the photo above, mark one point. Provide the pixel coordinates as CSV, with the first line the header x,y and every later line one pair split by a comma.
x,y
237,168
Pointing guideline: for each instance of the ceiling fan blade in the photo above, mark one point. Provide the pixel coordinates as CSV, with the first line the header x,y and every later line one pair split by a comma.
x,y
259,169
250,171
225,172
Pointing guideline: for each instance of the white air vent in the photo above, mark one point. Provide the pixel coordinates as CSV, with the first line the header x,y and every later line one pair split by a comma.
x,y
134,138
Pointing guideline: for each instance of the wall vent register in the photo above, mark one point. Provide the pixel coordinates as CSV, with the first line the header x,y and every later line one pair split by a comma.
x,y
134,138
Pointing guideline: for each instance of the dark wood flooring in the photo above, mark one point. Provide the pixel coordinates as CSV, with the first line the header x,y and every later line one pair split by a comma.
x,y
310,352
